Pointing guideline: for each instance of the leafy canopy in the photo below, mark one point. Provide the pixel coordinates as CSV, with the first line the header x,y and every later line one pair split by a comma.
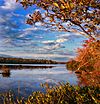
x,y
82,16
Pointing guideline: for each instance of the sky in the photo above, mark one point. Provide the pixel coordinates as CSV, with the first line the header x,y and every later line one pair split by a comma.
x,y
18,39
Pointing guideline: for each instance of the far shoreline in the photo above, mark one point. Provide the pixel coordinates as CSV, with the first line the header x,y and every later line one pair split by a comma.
x,y
14,61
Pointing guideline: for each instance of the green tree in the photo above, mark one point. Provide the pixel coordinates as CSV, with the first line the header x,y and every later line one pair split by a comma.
x,y
79,16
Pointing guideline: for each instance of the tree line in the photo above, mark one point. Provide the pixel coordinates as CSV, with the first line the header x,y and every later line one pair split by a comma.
x,y
25,61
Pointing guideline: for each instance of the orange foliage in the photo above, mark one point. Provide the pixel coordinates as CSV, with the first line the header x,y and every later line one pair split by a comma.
x,y
89,56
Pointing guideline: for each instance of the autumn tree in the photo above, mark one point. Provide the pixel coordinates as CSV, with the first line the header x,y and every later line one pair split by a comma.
x,y
79,16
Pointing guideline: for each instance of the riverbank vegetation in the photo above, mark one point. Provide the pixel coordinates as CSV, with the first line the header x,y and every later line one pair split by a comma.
x,y
5,69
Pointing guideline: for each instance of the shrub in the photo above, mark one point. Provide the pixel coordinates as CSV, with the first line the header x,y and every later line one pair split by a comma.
x,y
87,63
88,57
72,65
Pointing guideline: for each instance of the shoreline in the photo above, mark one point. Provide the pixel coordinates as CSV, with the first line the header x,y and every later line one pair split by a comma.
x,y
14,61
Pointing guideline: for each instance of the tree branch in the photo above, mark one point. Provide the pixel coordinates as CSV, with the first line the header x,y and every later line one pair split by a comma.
x,y
80,27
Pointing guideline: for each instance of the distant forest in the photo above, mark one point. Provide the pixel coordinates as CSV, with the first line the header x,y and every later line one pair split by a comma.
x,y
4,60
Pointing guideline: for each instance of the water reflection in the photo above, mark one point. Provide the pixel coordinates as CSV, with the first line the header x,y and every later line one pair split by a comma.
x,y
29,79
6,69
23,66
6,74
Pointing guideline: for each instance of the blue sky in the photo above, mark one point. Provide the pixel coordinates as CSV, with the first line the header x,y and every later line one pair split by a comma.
x,y
21,40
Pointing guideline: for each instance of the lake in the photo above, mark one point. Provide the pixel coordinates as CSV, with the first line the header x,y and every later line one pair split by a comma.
x,y
24,81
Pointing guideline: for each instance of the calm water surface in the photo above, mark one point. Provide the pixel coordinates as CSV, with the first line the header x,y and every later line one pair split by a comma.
x,y
25,81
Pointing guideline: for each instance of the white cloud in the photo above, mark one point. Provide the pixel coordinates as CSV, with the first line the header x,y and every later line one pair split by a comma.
x,y
39,24
56,46
48,42
61,40
30,29
9,4
53,44
64,35
27,31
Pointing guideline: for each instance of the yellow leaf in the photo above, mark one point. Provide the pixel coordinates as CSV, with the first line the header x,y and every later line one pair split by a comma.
x,y
62,6
71,5
55,4
67,5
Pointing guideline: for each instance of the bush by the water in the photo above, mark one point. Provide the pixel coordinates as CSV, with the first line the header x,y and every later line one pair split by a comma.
x,y
87,63
63,94
88,57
